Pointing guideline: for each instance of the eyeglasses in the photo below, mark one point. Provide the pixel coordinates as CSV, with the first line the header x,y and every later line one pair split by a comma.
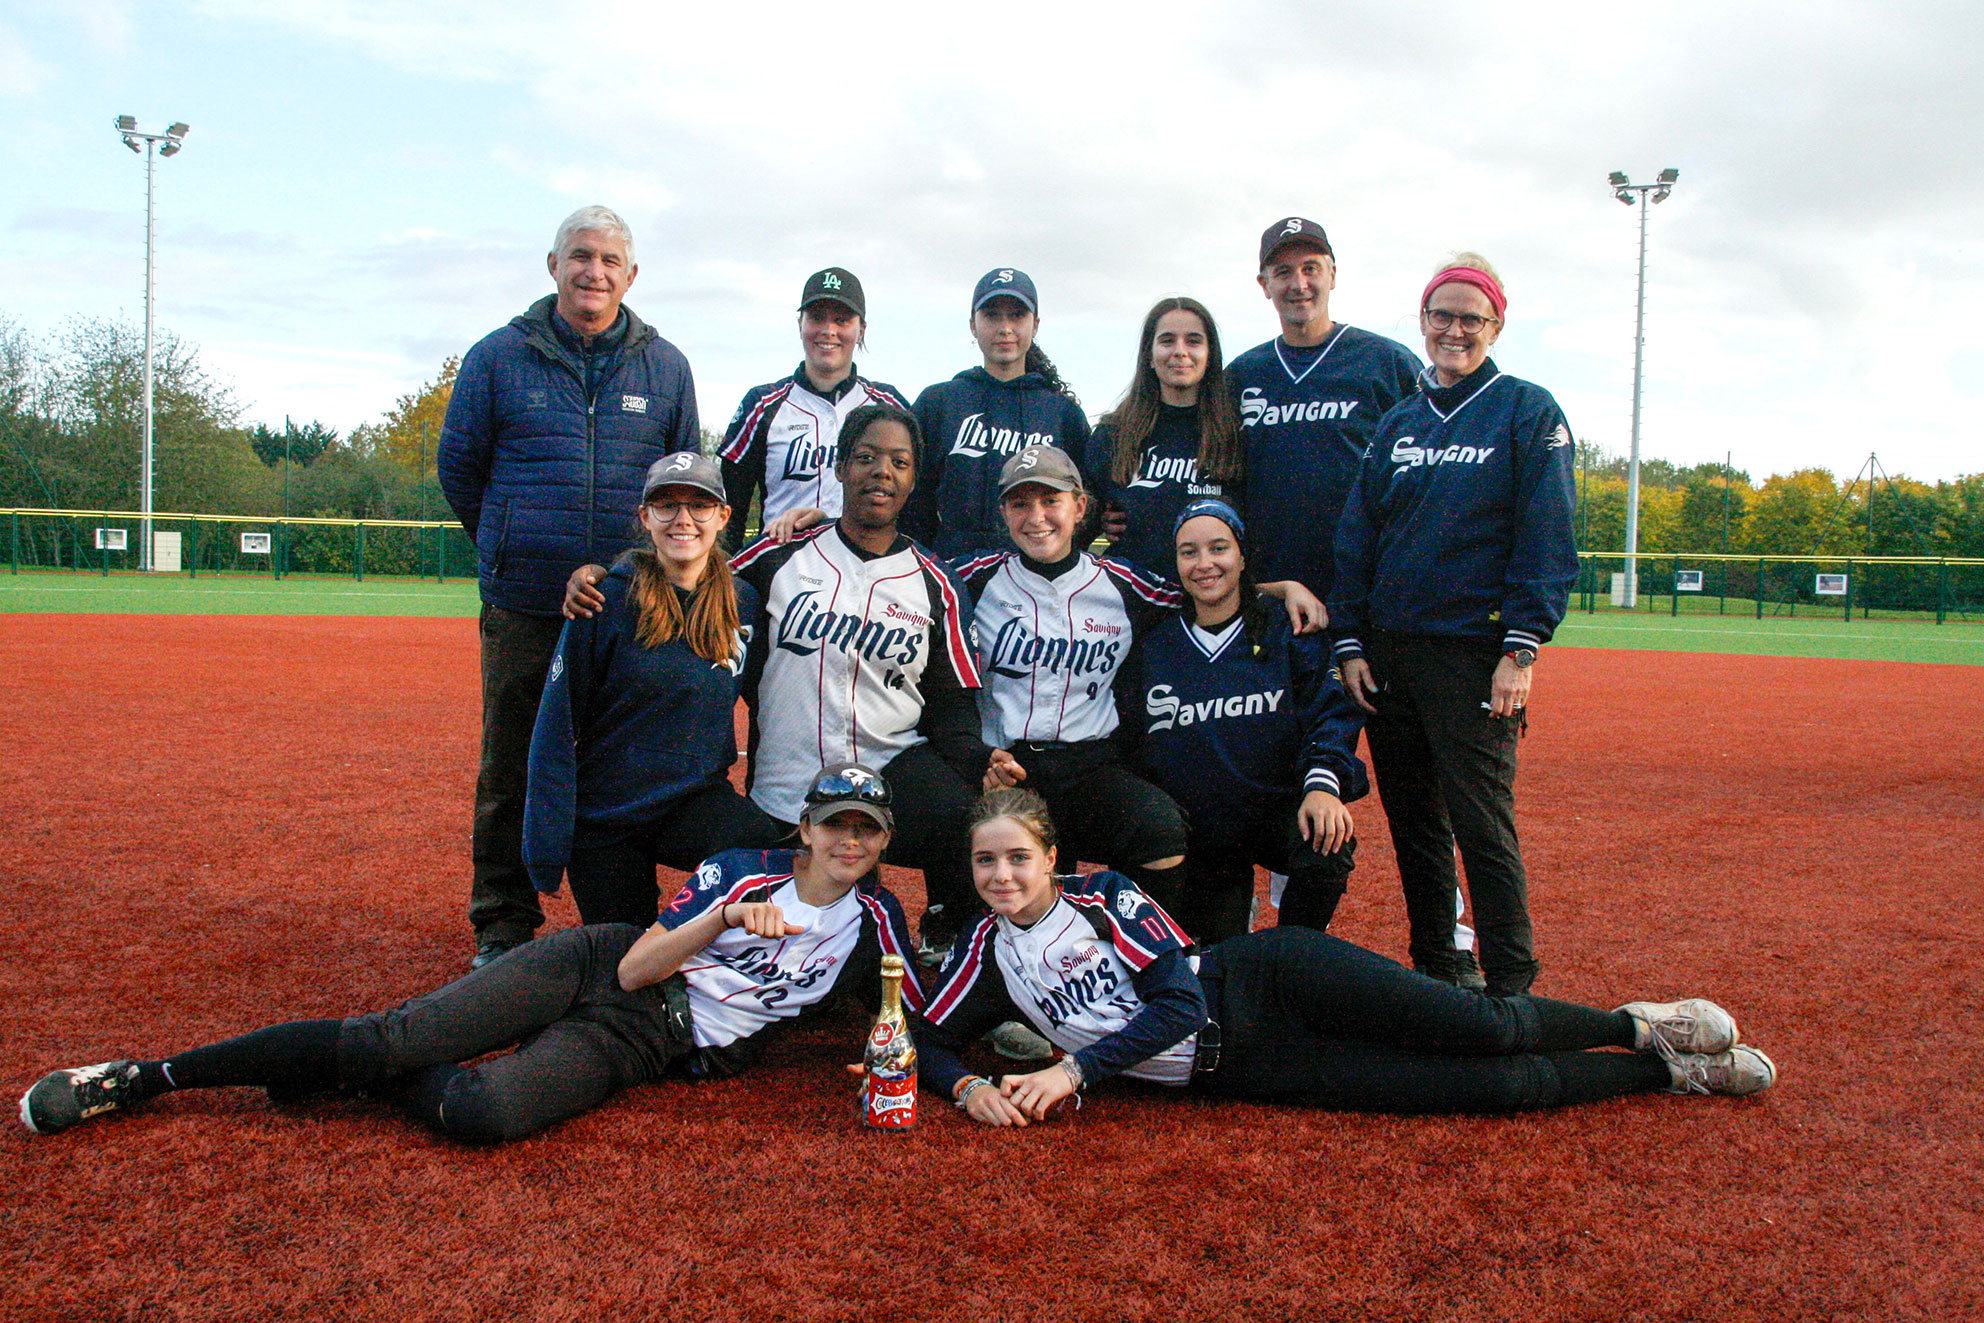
x,y
700,511
855,783
1471,322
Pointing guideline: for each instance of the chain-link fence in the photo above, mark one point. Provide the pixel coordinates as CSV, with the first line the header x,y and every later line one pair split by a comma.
x,y
1840,587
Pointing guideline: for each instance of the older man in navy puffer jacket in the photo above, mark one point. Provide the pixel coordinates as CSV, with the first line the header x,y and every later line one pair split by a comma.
x,y
554,421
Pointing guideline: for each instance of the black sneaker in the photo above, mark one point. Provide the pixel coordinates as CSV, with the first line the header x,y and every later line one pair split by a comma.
x,y
1467,972
66,1097
490,950
936,934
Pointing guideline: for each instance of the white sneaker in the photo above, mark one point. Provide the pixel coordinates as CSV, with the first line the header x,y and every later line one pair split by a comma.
x,y
1739,1071
1673,1027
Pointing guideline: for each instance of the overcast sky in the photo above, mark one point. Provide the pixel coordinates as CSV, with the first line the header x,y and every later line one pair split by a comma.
x,y
369,187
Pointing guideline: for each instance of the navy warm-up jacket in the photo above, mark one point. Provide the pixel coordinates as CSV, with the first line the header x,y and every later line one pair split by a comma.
x,y
543,476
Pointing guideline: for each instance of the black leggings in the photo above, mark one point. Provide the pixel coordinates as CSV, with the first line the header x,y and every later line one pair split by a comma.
x,y
614,881
1215,899
579,1039
1307,1018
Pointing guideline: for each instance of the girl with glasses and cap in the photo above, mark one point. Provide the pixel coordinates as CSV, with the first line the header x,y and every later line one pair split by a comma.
x,y
1241,721
975,422
1455,560
782,439
757,938
1287,1015
630,761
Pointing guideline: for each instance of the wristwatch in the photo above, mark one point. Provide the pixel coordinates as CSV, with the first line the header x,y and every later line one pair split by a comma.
x,y
1523,657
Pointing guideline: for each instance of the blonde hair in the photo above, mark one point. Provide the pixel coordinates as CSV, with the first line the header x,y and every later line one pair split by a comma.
x,y
1475,261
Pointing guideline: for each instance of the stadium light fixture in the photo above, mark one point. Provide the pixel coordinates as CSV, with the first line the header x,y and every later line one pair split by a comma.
x,y
167,144
1644,194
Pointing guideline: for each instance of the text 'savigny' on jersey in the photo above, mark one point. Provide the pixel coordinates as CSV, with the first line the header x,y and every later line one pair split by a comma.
x,y
837,669
1304,426
1050,649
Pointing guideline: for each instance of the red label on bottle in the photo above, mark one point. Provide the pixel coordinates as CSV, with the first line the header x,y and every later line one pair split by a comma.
x,y
890,1104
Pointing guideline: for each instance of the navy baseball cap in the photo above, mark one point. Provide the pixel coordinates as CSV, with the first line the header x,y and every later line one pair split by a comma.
x,y
1047,465
684,468
1007,281
850,787
1295,229
836,284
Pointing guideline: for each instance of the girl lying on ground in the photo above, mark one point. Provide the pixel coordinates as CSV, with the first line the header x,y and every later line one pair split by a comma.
x,y
1287,1014
756,937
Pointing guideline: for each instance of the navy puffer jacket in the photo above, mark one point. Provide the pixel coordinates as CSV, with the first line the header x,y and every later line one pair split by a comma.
x,y
543,478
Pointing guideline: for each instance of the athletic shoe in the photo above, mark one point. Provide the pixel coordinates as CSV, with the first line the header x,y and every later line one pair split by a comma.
x,y
1739,1071
1691,1026
936,933
1467,972
493,949
1018,1042
66,1097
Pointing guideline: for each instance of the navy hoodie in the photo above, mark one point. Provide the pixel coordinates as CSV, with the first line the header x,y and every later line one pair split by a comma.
x,y
972,424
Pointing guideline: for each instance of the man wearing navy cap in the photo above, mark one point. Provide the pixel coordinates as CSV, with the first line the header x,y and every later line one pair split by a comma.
x,y
1309,401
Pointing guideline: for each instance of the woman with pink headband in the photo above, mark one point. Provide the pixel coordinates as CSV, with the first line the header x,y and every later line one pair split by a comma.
x,y
1455,560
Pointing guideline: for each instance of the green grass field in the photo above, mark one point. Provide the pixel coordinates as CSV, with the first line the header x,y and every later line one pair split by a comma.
x,y
1960,641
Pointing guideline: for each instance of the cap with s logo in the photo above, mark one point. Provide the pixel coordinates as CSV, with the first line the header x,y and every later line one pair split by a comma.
x,y
684,468
1048,466
1005,282
1295,229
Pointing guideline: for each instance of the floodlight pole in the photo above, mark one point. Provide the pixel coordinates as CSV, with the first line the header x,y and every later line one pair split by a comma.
x,y
1628,193
127,129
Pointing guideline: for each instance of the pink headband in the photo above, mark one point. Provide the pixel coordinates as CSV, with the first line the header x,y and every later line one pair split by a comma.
x,y
1468,275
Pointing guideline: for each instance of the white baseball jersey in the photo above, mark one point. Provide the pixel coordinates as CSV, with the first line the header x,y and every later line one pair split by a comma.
x,y
1050,649
741,983
1071,973
795,431
838,665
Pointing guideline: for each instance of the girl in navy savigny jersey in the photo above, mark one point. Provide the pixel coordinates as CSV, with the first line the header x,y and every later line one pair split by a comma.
x,y
756,938
1286,1015
1173,439
1053,627
630,760
976,421
782,439
1241,721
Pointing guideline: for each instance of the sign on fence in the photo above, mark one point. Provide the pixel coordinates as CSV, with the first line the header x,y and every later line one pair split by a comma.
x,y
1829,585
1687,581
112,539
254,544
165,553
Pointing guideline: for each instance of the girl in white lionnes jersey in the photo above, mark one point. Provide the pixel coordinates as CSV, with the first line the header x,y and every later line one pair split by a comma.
x,y
757,937
1053,627
1288,1014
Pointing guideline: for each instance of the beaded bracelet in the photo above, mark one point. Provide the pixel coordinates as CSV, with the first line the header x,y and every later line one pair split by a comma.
x,y
971,1086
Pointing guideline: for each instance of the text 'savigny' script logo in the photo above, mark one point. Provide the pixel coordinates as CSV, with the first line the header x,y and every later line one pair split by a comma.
x,y
807,626
1408,455
1257,412
1167,711
975,439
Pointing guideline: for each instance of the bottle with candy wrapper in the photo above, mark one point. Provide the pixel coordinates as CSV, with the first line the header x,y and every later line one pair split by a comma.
x,y
888,1094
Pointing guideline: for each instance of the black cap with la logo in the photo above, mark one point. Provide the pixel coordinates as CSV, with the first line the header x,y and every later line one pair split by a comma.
x,y
834,285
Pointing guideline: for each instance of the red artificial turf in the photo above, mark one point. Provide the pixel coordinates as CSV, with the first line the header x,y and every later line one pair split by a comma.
x,y
212,823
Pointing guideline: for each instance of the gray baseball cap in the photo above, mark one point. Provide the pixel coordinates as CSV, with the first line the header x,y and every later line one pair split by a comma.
x,y
684,468
1047,465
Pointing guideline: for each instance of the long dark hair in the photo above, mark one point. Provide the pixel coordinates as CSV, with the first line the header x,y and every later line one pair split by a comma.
x,y
1038,361
1219,420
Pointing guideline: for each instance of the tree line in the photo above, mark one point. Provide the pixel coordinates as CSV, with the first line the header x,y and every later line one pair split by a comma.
x,y
71,418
